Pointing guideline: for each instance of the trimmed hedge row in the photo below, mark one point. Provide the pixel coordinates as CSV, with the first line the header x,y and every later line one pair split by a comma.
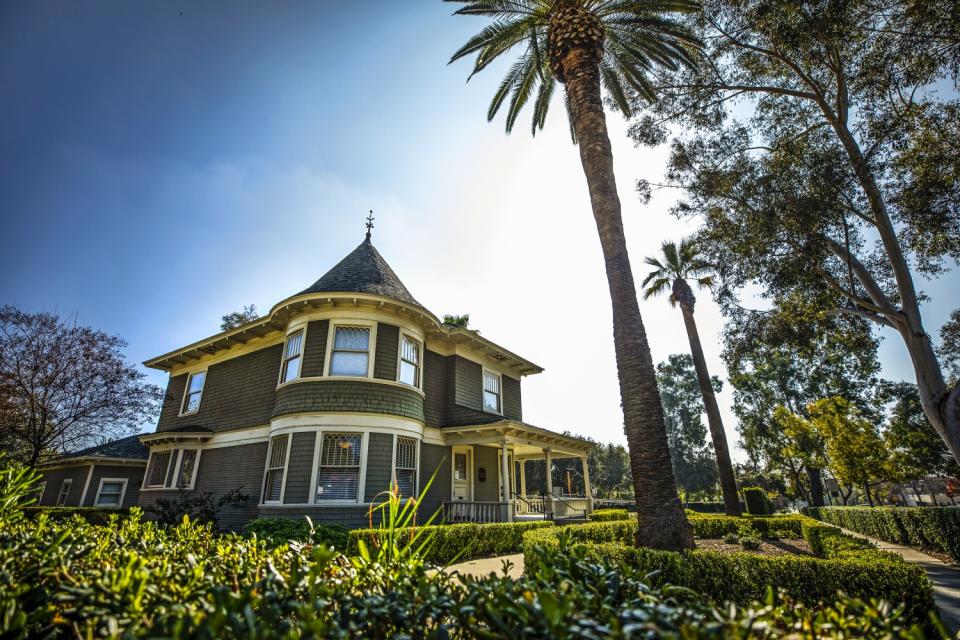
x,y
844,564
456,542
93,515
931,528
711,507
277,531
608,515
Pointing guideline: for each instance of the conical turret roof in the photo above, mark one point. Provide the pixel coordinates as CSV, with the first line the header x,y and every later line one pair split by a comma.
x,y
365,271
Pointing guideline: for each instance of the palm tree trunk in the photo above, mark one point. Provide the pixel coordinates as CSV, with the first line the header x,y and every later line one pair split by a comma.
x,y
662,523
728,483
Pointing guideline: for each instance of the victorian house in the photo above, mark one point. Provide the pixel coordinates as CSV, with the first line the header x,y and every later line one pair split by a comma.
x,y
340,391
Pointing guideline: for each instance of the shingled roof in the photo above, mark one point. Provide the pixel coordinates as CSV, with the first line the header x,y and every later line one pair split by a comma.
x,y
129,448
365,271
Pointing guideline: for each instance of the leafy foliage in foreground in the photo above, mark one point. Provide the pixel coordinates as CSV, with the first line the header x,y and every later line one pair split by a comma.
x,y
278,531
134,579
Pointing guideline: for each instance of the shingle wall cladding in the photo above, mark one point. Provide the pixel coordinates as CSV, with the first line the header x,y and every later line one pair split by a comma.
x,y
379,465
434,458
388,346
55,478
239,392
348,396
315,349
512,405
488,490
465,394
220,471
133,474
435,377
300,467
351,517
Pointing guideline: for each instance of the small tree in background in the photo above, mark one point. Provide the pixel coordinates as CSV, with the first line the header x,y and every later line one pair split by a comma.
x,y
235,319
63,387
462,321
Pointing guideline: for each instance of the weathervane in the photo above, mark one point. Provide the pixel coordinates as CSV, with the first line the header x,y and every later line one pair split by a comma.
x,y
370,220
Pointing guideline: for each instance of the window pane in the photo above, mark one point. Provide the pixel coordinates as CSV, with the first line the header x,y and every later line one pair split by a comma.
x,y
406,453
278,451
196,381
405,482
491,402
293,344
274,485
460,466
193,402
352,338
187,463
491,382
340,450
410,350
158,469
348,363
408,373
291,369
338,483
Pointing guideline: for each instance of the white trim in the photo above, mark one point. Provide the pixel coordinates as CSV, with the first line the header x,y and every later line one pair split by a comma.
x,y
123,493
298,327
86,485
332,337
77,462
267,468
65,483
421,351
186,393
483,391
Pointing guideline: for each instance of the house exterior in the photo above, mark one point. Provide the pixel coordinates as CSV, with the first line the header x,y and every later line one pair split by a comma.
x,y
108,476
341,390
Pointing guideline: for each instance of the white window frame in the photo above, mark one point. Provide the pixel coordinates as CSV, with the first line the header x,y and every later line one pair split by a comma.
x,y
186,393
66,486
193,474
332,337
416,462
483,392
123,493
400,360
284,358
362,467
267,468
166,473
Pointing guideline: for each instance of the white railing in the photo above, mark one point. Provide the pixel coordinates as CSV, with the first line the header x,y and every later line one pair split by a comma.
x,y
568,507
462,511
528,506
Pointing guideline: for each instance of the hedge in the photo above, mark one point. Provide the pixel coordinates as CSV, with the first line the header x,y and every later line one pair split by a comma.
x,y
93,515
607,515
277,531
758,504
456,542
931,528
711,507
846,565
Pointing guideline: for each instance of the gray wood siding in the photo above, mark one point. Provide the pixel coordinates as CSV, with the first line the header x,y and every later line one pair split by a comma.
x,y
300,467
315,348
55,478
467,383
239,392
434,458
379,465
486,458
512,404
132,473
337,396
434,388
388,346
351,517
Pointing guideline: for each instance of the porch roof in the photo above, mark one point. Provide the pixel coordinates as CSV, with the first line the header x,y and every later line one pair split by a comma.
x,y
527,441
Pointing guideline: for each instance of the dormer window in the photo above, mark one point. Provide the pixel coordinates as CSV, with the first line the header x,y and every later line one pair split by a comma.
x,y
191,399
409,361
292,355
491,392
350,355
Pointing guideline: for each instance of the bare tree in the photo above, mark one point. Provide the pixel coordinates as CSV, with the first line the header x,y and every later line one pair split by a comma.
x,y
63,387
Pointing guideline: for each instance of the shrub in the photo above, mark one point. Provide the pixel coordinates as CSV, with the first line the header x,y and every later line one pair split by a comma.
x,y
750,542
731,538
710,507
277,531
607,515
758,504
93,515
932,528
454,542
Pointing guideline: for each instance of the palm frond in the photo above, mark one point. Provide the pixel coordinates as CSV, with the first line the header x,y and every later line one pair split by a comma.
x,y
656,288
523,88
542,104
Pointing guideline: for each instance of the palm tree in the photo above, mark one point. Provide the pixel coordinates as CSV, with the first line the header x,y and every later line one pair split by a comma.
x,y
590,46
679,265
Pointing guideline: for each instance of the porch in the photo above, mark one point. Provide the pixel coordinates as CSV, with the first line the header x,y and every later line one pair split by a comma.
x,y
489,474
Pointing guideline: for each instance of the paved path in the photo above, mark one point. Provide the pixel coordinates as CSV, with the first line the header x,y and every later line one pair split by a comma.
x,y
945,578
481,567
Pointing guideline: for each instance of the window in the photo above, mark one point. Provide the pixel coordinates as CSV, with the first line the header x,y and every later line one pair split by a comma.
x,y
459,466
409,361
191,400
188,466
38,491
110,493
157,473
351,351
405,466
339,475
64,492
491,392
276,465
292,357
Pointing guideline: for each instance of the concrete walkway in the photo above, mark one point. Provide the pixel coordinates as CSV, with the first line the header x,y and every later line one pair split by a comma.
x,y
945,578
482,567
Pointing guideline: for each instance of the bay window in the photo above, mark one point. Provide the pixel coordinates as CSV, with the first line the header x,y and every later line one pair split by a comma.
x,y
338,477
292,356
157,472
409,361
405,466
276,469
350,355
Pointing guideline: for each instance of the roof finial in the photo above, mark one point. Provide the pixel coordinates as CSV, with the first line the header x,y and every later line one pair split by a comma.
x,y
370,220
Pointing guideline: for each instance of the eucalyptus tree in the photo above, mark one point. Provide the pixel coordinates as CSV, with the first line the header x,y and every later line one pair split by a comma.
x,y
819,146
592,47
679,265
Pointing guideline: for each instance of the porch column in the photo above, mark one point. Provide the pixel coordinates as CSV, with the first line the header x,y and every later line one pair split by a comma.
x,y
586,481
548,499
505,480
523,479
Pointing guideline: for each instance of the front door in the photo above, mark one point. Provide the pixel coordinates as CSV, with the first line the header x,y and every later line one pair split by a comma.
x,y
462,474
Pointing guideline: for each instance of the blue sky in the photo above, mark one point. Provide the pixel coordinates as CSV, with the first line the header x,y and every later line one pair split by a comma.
x,y
165,163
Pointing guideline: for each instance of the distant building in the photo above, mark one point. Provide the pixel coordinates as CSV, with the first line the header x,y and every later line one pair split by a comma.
x,y
108,475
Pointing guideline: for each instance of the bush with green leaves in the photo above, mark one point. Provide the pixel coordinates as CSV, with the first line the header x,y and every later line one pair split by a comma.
x,y
277,531
931,528
758,504
607,515
93,515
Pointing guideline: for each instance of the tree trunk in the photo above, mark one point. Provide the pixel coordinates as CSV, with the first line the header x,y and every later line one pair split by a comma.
x,y
916,492
816,487
866,489
728,483
662,523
